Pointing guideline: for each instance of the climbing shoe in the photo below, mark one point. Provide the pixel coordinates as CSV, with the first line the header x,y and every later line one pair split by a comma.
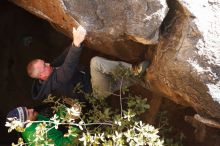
x,y
140,69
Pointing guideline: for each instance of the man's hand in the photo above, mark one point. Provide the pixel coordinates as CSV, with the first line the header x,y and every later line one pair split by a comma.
x,y
78,35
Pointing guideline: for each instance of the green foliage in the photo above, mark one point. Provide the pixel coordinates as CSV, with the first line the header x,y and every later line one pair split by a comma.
x,y
101,124
138,104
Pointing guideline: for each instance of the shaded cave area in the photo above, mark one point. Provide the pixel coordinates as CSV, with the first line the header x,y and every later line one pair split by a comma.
x,y
24,37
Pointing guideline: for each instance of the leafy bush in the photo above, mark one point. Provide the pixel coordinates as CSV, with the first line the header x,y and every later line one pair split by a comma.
x,y
100,124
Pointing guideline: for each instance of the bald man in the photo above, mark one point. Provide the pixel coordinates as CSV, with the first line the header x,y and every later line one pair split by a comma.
x,y
60,79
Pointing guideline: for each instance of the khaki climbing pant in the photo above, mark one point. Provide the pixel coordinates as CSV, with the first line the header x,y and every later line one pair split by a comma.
x,y
101,71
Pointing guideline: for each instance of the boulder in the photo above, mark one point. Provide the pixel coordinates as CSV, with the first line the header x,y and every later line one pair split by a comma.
x,y
186,65
117,28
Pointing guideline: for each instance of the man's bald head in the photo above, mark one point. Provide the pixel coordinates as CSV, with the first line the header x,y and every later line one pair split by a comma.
x,y
37,68
32,69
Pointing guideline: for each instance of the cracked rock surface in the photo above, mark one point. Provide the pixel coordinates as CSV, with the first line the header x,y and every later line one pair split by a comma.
x,y
117,28
186,65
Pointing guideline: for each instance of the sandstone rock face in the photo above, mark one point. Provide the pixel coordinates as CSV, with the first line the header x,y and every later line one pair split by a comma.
x,y
117,28
186,65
